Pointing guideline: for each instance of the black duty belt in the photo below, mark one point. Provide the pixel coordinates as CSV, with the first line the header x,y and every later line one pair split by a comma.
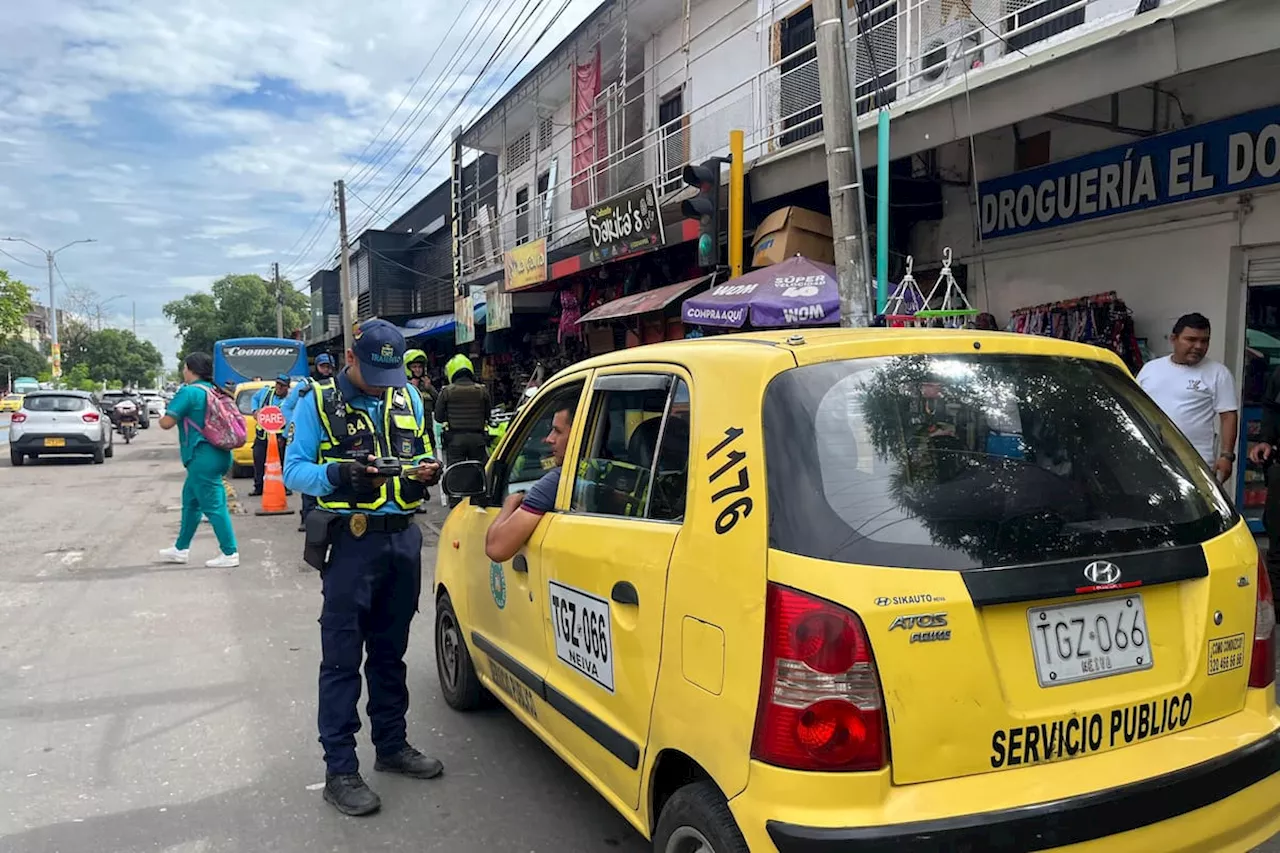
x,y
360,523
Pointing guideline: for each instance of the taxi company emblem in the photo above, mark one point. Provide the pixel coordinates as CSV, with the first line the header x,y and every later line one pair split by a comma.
x,y
1101,572
498,585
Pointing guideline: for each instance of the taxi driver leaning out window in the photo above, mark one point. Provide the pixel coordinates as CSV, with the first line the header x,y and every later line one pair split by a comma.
x,y
522,511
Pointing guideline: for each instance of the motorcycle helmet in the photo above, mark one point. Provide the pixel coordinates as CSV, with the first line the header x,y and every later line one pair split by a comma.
x,y
458,362
410,356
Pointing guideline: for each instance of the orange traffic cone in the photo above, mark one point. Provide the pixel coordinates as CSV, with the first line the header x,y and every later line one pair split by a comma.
x,y
274,501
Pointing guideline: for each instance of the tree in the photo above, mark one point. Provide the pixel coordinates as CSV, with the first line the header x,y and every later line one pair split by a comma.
x,y
117,355
15,305
21,358
238,306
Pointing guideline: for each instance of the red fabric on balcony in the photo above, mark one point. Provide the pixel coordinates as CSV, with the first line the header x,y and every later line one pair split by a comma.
x,y
586,86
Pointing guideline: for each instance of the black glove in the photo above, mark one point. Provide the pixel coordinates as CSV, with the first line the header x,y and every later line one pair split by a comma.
x,y
356,477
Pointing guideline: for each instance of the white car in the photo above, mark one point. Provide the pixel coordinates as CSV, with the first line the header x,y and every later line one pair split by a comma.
x,y
58,423
155,405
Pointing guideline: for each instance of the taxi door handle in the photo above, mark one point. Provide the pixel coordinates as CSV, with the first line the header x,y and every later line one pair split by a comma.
x,y
520,564
625,593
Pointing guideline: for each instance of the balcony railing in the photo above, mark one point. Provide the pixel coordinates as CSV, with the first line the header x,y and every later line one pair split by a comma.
x,y
903,50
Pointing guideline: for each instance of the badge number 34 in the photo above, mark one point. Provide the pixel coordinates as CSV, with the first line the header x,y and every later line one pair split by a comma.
x,y
737,481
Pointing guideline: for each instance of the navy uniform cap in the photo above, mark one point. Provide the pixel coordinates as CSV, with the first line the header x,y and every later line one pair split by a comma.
x,y
379,347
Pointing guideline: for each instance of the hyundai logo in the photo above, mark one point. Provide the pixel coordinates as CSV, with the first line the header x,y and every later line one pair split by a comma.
x,y
1101,572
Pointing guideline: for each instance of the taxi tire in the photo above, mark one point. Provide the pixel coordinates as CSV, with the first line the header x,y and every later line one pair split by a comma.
x,y
702,807
468,693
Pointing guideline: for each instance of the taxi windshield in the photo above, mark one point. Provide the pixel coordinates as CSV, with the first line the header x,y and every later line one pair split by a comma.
x,y
972,461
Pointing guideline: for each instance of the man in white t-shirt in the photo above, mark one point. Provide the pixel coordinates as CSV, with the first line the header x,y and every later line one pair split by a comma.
x,y
1195,392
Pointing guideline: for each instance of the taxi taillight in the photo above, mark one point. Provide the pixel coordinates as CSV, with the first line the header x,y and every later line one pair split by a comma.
x,y
821,706
1262,669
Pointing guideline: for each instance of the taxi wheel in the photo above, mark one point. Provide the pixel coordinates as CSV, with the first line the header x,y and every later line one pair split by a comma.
x,y
697,820
458,680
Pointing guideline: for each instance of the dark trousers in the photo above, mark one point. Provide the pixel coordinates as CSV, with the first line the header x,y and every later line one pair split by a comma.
x,y
260,458
465,447
1271,523
371,587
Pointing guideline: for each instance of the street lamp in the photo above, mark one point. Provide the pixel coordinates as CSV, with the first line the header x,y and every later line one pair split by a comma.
x,y
53,308
7,361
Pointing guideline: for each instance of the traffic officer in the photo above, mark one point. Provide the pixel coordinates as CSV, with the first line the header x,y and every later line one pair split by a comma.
x,y
272,395
363,538
462,410
322,374
415,371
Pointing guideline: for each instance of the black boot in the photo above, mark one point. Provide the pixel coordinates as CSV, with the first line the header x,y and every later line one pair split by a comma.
x,y
409,762
348,793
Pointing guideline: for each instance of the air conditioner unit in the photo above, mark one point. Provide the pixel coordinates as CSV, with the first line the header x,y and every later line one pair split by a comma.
x,y
948,38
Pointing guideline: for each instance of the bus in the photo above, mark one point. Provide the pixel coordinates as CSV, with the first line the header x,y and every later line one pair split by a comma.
x,y
237,360
24,385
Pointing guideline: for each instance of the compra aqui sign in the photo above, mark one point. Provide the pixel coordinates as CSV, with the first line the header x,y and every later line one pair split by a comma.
x,y
1225,156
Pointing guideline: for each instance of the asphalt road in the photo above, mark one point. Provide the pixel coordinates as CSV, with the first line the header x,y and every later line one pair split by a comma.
x,y
172,708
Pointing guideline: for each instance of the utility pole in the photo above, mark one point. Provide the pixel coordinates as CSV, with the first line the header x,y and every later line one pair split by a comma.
x,y
840,134
344,274
275,272
55,349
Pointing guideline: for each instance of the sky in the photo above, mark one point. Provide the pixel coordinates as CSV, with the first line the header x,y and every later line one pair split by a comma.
x,y
195,138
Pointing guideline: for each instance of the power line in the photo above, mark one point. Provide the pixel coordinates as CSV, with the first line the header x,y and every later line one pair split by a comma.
x,y
529,10
498,91
18,259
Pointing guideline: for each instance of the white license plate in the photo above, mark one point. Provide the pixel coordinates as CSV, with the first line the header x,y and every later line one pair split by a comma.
x,y
1093,639
584,632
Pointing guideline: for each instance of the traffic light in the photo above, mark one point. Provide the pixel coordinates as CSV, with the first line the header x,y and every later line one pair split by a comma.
x,y
705,207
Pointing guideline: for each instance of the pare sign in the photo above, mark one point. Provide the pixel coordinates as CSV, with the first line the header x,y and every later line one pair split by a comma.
x,y
271,419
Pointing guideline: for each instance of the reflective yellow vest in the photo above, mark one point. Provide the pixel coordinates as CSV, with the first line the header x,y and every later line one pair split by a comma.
x,y
350,432
270,400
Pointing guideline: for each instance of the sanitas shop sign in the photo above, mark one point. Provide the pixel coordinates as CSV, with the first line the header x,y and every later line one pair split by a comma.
x,y
1226,156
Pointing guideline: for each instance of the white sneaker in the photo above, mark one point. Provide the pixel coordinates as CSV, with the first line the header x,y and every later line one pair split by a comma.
x,y
175,555
224,561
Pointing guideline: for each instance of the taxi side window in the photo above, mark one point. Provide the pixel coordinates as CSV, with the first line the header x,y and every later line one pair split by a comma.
x,y
635,456
531,456
244,401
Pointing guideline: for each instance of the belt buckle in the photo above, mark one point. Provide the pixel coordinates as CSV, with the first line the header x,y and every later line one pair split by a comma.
x,y
358,523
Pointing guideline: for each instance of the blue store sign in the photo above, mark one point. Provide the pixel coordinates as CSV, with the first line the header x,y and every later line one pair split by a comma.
x,y
1226,156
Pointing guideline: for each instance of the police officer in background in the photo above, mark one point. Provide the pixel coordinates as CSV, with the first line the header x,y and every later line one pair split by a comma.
x,y
363,539
272,395
415,371
462,410
322,374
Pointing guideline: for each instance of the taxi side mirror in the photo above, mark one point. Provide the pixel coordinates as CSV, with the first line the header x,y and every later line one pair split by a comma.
x,y
464,480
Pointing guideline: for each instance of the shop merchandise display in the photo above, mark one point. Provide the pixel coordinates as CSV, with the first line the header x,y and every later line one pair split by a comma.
x,y
1102,320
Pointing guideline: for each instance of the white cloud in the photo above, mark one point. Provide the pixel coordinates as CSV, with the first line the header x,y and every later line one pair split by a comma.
x,y
192,139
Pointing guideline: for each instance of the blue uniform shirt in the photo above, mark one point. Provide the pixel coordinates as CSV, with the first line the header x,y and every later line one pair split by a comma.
x,y
302,473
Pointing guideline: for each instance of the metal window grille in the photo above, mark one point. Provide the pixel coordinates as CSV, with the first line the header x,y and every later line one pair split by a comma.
x,y
546,129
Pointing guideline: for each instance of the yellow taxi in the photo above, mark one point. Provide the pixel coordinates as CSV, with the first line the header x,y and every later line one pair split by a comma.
x,y
242,456
875,590
10,402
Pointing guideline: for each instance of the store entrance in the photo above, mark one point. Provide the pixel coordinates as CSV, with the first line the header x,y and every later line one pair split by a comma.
x,y
1261,359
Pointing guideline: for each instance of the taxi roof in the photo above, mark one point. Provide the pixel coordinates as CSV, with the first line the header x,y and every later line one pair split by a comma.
x,y
808,346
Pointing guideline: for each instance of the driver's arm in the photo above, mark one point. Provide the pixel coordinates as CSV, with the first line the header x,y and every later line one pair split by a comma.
x,y
519,518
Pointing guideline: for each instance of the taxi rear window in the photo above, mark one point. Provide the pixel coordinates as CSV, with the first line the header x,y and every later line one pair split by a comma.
x,y
974,461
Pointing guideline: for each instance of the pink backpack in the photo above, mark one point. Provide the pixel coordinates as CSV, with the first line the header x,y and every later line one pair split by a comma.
x,y
224,426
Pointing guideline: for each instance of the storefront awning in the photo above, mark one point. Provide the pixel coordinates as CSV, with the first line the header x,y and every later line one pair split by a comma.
x,y
439,324
642,303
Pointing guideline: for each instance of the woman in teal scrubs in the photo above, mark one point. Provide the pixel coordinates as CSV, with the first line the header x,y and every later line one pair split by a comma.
x,y
203,492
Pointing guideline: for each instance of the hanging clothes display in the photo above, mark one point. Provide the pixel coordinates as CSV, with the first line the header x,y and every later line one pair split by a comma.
x,y
1102,320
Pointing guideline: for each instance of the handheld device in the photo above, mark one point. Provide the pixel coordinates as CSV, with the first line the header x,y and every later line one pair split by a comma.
x,y
388,466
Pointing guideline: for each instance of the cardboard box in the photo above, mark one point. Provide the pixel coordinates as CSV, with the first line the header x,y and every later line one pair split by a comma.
x,y
791,231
